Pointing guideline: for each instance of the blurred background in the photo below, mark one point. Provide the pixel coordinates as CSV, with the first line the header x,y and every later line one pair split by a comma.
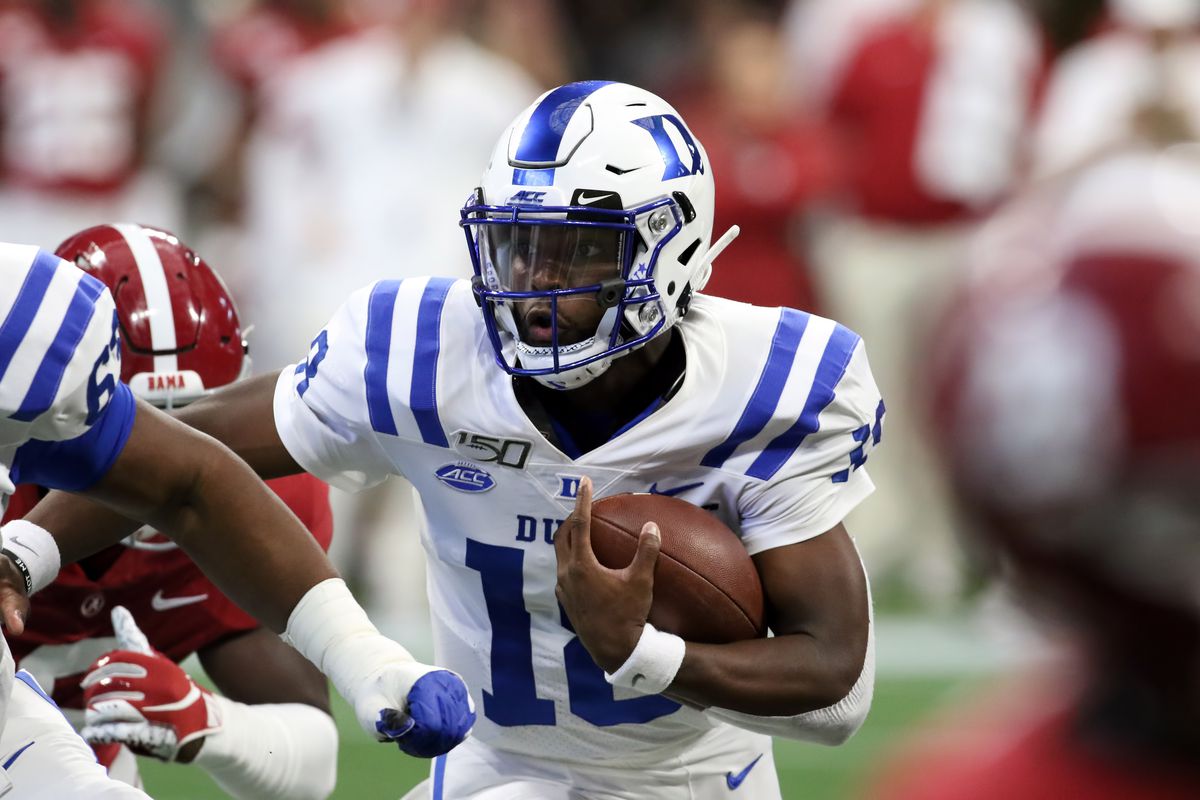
x,y
865,147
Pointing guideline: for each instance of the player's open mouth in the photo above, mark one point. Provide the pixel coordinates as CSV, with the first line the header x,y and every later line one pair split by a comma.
x,y
538,328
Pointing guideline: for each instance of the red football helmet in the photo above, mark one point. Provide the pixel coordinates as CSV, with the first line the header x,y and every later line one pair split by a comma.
x,y
180,335
1065,391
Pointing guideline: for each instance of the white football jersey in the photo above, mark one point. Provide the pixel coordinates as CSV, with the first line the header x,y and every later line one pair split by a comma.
x,y
64,414
59,370
775,417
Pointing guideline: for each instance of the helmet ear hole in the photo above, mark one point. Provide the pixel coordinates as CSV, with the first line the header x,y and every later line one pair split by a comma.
x,y
687,254
671,288
685,205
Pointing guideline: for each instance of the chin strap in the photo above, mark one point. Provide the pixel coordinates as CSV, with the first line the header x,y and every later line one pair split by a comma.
x,y
704,267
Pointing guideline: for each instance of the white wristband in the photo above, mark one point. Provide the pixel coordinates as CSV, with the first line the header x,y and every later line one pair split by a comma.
x,y
37,550
653,663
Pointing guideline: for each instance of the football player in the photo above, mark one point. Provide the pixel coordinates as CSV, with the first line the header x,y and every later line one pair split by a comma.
x,y
1065,388
583,358
181,339
67,421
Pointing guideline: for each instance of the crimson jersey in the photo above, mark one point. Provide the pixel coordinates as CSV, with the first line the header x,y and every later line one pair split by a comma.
x,y
769,176
932,104
1024,745
176,606
258,44
74,97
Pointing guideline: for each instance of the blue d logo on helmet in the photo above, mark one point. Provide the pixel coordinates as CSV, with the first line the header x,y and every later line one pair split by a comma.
x,y
597,194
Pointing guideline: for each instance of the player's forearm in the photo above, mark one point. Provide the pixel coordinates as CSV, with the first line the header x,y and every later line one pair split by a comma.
x,y
784,675
244,538
270,751
80,526
242,417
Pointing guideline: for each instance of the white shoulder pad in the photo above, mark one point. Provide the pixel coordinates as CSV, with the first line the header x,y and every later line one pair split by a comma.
x,y
59,347
371,374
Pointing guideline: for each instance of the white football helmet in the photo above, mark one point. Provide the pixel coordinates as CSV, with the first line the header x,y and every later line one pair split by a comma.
x,y
598,189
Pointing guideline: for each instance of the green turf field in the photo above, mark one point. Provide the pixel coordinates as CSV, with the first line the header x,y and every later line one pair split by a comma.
x,y
370,771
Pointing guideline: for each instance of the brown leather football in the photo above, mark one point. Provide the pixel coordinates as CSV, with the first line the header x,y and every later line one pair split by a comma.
x,y
706,588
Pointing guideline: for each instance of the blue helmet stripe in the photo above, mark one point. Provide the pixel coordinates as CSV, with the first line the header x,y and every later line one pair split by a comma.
x,y
834,362
761,408
26,306
423,395
54,364
381,308
544,132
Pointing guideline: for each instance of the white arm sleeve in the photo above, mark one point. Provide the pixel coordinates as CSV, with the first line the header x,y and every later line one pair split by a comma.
x,y
285,751
831,725
321,405
826,476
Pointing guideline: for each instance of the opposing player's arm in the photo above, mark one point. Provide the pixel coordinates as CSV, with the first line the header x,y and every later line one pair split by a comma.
x,y
278,738
239,416
278,748
237,531
182,481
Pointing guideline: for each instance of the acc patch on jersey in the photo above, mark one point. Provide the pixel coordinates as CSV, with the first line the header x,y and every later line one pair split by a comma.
x,y
465,477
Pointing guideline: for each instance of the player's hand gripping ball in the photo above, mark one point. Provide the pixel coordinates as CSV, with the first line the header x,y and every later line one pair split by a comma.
x,y
706,588
633,558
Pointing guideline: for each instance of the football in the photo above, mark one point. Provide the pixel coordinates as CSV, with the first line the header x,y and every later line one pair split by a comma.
x,y
706,588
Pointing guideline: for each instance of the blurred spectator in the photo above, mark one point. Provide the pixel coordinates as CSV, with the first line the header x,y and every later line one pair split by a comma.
x,y
931,100
361,155
1138,81
769,157
77,82
1064,389
249,50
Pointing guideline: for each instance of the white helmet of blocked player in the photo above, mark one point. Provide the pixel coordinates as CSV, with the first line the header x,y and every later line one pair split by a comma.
x,y
598,192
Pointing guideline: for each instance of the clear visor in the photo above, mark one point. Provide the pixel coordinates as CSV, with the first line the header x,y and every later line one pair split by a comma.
x,y
541,258
555,265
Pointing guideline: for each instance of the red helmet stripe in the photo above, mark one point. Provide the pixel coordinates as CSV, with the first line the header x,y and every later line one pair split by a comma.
x,y
158,297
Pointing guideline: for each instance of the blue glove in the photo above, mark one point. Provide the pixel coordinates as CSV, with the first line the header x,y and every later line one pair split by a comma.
x,y
440,715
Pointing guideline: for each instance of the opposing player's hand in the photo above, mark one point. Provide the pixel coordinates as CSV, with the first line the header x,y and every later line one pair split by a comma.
x,y
607,607
138,697
14,603
425,710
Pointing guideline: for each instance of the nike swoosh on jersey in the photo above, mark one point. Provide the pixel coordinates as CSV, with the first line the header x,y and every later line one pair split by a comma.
x,y
674,490
160,603
734,781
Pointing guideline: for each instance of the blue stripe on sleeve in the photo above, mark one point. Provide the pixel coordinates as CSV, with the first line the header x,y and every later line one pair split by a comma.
x,y
58,357
423,397
834,362
439,778
25,307
76,464
761,408
381,308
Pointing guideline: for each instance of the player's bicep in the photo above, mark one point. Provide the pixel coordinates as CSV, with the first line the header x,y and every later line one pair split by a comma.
x,y
257,667
817,586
